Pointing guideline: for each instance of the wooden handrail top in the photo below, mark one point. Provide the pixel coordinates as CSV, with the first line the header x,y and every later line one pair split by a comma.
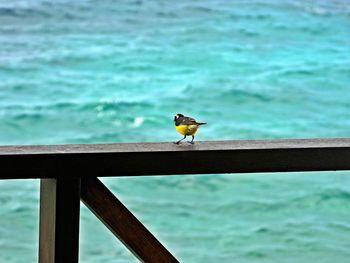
x,y
171,147
131,159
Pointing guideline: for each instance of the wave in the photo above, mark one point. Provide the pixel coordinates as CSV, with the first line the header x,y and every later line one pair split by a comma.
x,y
326,199
240,94
251,16
76,105
24,12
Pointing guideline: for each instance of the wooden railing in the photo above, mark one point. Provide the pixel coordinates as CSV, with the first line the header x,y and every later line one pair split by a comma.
x,y
69,174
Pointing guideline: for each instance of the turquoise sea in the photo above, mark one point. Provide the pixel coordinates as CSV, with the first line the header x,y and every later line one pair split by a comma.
x,y
117,71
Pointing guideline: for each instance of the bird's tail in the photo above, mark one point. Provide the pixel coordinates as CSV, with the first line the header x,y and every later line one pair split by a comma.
x,y
201,123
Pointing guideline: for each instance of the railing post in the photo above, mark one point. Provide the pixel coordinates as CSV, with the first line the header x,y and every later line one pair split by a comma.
x,y
59,220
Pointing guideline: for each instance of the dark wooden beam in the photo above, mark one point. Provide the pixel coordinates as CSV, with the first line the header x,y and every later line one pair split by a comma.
x,y
59,220
133,159
122,223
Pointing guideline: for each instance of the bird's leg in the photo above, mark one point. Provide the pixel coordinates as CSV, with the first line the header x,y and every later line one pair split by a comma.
x,y
178,142
192,142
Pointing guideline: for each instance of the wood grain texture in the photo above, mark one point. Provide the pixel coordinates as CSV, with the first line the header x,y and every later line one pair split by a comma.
x,y
59,220
122,223
133,159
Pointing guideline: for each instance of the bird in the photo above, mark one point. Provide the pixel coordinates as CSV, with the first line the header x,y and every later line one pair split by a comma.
x,y
186,126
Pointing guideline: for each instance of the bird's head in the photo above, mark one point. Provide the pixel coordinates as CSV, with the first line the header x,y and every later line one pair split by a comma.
x,y
177,116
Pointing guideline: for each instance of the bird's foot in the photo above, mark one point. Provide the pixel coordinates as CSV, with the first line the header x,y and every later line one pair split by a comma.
x,y
191,142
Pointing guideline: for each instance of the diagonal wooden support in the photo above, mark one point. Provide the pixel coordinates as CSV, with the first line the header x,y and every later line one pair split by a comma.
x,y
122,223
59,220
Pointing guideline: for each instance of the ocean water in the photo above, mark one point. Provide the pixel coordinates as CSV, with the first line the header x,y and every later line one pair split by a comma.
x,y
117,71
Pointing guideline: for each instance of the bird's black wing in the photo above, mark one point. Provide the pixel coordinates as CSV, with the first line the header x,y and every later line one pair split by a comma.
x,y
188,121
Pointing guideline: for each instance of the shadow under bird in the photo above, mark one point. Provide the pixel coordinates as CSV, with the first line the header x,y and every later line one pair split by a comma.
x,y
186,126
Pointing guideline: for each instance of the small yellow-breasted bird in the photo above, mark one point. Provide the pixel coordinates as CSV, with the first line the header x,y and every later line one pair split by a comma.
x,y
186,126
